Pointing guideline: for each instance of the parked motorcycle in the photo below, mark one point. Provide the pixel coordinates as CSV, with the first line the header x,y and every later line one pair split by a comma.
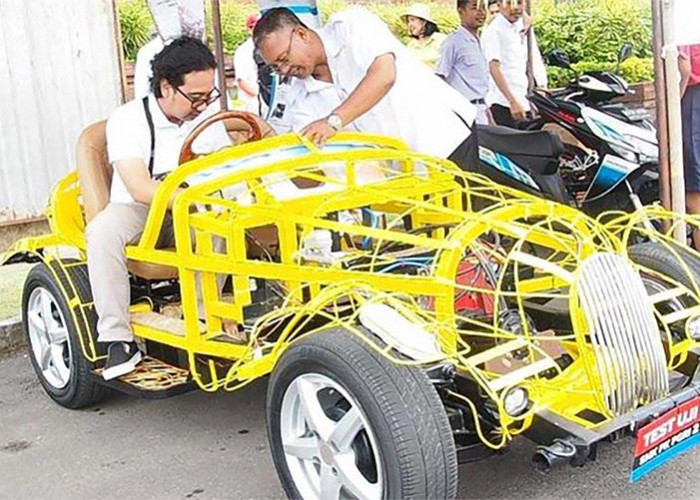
x,y
604,155
610,159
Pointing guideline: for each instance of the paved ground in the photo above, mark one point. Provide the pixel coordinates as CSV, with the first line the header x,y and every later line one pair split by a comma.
x,y
214,446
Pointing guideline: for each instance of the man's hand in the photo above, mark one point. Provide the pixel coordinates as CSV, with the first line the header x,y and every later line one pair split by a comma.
x,y
517,111
318,132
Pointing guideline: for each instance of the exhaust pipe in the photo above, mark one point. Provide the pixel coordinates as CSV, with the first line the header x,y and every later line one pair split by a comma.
x,y
557,453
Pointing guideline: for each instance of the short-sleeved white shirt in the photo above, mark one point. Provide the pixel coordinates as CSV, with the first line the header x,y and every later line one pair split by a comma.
x,y
315,99
129,137
246,69
420,108
505,42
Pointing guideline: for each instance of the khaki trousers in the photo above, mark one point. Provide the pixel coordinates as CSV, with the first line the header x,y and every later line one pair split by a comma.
x,y
107,236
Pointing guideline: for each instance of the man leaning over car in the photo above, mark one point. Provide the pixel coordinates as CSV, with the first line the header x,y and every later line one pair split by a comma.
x,y
381,88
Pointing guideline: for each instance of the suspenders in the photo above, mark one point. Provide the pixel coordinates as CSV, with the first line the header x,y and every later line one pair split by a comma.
x,y
149,119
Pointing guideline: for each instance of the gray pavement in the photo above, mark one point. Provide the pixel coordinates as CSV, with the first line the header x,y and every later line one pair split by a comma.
x,y
203,446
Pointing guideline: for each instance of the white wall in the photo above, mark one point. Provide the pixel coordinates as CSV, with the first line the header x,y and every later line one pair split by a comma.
x,y
59,72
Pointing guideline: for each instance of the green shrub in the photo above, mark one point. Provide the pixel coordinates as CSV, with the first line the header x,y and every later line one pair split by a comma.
x,y
234,31
136,26
634,70
329,7
590,31
593,30
444,14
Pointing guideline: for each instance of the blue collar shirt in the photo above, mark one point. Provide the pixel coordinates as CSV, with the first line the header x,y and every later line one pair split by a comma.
x,y
463,64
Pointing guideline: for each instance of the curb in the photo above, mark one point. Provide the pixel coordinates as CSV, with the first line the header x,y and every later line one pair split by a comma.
x,y
11,335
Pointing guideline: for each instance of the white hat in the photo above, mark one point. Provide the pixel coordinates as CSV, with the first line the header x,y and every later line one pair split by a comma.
x,y
420,10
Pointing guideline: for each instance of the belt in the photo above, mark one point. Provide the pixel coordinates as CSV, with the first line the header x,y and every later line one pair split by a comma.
x,y
478,101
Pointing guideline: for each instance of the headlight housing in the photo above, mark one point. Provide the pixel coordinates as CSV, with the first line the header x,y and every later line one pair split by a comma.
x,y
692,327
625,153
637,150
516,401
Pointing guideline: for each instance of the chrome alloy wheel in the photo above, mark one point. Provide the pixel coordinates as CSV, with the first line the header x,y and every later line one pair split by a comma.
x,y
48,335
328,443
654,286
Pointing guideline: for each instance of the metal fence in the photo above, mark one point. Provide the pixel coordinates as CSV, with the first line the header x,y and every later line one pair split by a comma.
x,y
59,72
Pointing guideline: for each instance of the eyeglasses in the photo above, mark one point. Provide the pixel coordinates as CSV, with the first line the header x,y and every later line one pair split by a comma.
x,y
197,102
283,61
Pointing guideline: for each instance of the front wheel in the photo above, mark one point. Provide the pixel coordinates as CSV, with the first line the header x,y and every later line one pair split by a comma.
x,y
52,338
345,422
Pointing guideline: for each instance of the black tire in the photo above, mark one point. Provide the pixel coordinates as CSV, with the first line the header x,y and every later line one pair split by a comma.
x,y
406,416
81,389
658,258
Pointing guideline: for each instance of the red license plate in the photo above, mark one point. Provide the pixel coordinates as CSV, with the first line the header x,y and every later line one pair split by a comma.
x,y
666,437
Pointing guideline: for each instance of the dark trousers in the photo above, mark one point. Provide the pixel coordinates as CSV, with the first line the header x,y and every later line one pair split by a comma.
x,y
466,156
501,115
690,111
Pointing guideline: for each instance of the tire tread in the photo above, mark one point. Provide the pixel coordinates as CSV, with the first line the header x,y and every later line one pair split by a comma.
x,y
420,432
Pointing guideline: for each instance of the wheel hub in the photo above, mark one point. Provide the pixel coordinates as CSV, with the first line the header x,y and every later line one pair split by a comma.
x,y
48,337
321,425
327,454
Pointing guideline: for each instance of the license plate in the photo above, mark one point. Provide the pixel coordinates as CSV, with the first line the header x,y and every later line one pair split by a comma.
x,y
666,437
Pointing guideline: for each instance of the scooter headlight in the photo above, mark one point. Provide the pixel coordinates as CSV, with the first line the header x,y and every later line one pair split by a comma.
x,y
647,151
625,153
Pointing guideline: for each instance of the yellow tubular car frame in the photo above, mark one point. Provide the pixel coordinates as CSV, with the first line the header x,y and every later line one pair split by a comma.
x,y
527,315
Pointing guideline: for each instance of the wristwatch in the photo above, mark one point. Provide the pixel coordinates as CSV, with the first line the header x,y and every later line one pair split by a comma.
x,y
335,122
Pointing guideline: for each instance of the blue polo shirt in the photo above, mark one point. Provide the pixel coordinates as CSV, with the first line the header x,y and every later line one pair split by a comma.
x,y
463,64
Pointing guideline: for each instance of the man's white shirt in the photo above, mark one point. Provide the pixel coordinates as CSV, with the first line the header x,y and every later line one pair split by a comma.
x,y
423,110
129,137
505,42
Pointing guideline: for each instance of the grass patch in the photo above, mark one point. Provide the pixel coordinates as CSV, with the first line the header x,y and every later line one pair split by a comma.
x,y
11,283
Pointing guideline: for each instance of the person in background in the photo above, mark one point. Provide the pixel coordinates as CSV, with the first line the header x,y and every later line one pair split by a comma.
x,y
142,68
190,27
247,70
505,45
462,62
689,63
425,36
494,6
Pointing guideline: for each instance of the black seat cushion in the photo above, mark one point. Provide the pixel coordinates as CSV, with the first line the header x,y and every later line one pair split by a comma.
x,y
536,151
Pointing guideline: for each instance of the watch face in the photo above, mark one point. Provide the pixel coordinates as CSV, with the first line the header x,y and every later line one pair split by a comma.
x,y
335,122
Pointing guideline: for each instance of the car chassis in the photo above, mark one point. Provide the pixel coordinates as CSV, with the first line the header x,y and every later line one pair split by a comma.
x,y
523,316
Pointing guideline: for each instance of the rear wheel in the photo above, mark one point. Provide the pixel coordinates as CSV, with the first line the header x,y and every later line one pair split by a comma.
x,y
52,338
345,422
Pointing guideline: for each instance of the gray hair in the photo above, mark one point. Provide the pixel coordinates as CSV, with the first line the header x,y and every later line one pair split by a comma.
x,y
274,20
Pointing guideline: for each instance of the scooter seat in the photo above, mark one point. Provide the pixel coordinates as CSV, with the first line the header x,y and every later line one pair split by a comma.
x,y
536,151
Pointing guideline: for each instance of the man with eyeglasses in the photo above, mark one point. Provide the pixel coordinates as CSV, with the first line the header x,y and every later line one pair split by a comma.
x,y
377,85
144,139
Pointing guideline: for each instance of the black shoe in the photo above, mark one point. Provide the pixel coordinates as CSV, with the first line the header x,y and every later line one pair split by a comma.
x,y
122,358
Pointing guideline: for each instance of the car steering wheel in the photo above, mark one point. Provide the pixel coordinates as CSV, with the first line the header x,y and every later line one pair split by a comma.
x,y
241,126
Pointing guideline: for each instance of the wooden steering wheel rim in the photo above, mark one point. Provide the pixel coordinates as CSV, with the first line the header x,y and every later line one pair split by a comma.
x,y
186,153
